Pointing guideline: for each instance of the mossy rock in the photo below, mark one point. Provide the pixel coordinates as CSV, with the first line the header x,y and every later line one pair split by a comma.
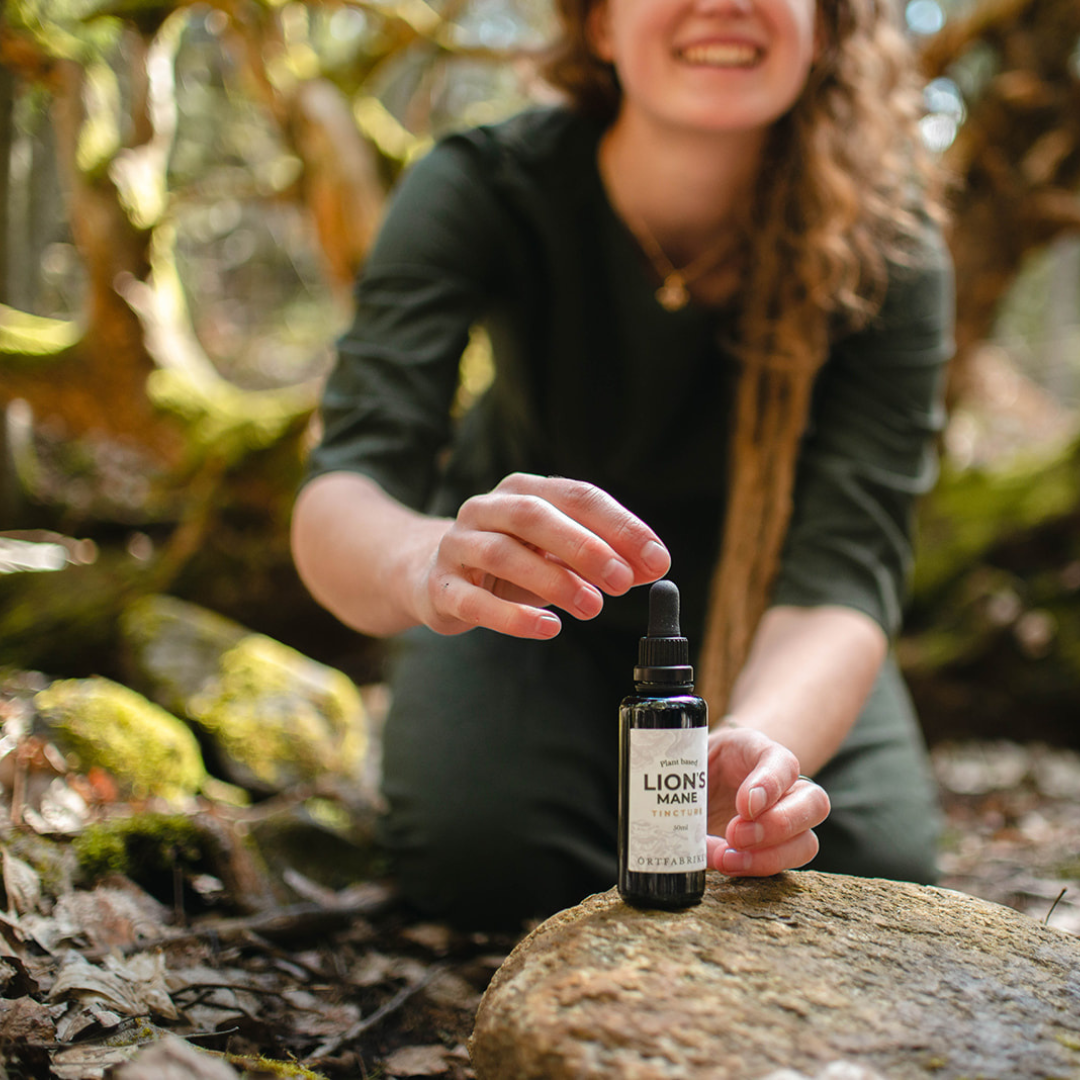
x,y
172,649
323,841
135,846
275,716
148,750
281,718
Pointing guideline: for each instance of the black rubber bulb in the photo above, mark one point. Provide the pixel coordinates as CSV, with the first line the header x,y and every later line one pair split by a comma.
x,y
664,609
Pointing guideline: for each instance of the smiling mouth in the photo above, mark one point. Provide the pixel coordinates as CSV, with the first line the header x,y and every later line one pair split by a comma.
x,y
721,55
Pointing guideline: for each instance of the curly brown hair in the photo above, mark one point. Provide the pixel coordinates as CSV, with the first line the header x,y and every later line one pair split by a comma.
x,y
844,192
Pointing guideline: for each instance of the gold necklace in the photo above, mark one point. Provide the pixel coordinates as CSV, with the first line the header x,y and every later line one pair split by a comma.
x,y
674,293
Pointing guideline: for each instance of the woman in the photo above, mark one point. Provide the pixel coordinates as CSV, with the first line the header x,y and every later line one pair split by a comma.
x,y
720,318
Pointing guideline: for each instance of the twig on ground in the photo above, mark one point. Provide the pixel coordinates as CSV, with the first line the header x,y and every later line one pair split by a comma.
x,y
1046,920
292,920
380,1014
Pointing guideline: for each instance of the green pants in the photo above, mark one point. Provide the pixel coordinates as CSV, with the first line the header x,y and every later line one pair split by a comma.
x,y
501,771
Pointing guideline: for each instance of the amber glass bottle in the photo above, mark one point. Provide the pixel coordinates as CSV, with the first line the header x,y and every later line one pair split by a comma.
x,y
663,748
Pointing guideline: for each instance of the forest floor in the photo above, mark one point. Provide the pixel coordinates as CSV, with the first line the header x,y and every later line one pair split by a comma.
x,y
351,985
1012,827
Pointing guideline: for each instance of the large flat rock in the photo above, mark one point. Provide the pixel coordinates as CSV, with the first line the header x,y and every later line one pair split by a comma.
x,y
799,972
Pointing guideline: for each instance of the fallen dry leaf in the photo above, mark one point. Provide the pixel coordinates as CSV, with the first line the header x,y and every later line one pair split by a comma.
x,y
22,884
418,1061
89,1062
63,810
104,996
318,1018
453,991
97,1057
171,1058
433,936
372,969
110,917
25,1020
79,980
145,974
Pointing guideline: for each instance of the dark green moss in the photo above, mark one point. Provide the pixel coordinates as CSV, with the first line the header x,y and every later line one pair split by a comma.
x,y
143,846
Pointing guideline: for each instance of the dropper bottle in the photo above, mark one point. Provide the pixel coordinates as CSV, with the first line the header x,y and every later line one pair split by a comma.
x,y
663,765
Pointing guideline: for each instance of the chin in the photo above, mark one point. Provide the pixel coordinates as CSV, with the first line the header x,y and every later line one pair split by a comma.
x,y
723,121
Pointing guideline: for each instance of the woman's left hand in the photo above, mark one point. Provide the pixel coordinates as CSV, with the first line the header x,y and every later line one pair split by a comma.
x,y
761,811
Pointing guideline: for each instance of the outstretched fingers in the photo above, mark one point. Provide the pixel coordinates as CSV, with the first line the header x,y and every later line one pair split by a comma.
x,y
582,526
534,543
457,605
512,570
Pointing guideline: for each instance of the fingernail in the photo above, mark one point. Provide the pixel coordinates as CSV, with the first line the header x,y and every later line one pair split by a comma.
x,y
655,556
548,625
588,601
751,833
757,800
617,575
734,862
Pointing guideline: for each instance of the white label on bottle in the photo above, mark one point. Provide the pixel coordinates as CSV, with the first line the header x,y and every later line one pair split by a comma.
x,y
668,800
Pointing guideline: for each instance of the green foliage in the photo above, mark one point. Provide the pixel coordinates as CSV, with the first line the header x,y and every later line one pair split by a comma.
x,y
67,29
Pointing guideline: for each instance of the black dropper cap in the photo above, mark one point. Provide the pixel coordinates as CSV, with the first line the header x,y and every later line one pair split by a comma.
x,y
664,654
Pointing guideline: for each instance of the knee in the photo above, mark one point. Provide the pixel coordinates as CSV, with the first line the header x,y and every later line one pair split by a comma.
x,y
482,864
863,847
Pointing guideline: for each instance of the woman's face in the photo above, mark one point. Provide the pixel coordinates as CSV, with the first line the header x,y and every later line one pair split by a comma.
x,y
708,65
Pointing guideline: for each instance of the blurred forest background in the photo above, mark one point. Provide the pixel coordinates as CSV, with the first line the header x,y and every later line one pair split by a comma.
x,y
186,193
187,189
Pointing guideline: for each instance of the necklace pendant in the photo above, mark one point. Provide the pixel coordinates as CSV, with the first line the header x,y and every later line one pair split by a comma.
x,y
673,294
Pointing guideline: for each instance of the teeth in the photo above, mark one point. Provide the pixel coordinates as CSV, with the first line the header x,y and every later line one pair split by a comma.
x,y
731,54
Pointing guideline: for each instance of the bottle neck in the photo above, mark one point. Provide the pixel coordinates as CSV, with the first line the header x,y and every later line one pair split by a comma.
x,y
653,688
667,678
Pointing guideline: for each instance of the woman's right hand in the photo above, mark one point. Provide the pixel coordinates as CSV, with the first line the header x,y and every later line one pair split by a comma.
x,y
531,543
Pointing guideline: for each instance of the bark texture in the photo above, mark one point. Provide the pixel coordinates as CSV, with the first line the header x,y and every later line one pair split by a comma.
x,y
801,971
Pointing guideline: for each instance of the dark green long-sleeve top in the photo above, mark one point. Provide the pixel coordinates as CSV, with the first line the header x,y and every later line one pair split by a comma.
x,y
510,225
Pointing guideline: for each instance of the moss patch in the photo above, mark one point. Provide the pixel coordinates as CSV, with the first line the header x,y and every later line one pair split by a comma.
x,y
970,512
282,716
175,647
257,1065
138,846
106,724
